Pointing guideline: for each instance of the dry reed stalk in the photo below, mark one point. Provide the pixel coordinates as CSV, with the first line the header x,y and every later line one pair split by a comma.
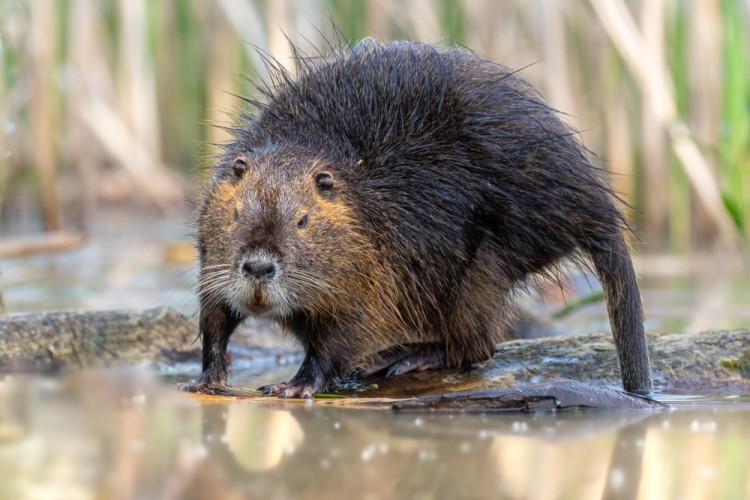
x,y
704,75
84,66
619,150
517,46
52,241
309,24
277,27
42,108
654,82
5,125
128,134
221,80
557,83
654,153
424,18
137,92
417,19
155,183
247,23
376,21
479,34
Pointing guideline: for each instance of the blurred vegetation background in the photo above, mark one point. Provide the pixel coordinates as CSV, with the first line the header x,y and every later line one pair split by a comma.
x,y
112,102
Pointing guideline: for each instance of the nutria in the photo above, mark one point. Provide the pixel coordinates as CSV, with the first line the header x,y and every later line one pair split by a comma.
x,y
391,197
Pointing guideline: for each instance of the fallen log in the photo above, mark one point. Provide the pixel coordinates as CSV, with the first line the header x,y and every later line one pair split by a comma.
x,y
553,395
157,337
83,339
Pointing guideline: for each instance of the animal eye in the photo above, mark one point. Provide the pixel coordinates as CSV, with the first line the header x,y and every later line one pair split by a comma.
x,y
324,180
239,167
302,222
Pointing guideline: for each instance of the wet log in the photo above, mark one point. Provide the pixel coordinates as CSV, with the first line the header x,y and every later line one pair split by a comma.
x,y
552,395
82,339
161,336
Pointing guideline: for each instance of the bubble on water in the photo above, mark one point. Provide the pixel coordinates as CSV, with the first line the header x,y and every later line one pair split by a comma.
x,y
383,448
427,455
201,452
418,422
337,425
138,399
483,434
617,478
49,384
289,449
709,426
464,447
695,426
367,453
224,439
520,427
665,425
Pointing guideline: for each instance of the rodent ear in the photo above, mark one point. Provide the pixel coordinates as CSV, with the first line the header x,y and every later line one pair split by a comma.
x,y
324,180
239,167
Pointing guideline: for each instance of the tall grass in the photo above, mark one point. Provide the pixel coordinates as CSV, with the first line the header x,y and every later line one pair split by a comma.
x,y
114,100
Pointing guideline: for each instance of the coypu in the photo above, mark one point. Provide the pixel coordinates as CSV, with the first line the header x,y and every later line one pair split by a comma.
x,y
395,195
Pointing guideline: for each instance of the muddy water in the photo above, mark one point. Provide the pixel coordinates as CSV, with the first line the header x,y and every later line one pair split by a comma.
x,y
124,434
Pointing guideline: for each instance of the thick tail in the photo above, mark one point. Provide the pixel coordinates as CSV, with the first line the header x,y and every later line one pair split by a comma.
x,y
615,270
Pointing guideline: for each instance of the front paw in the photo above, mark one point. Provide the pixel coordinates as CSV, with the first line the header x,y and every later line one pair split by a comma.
x,y
290,390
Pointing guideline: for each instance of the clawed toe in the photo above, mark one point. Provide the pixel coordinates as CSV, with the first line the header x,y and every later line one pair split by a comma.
x,y
288,390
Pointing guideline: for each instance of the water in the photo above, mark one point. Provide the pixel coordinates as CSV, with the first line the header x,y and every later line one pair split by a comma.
x,y
120,433
129,434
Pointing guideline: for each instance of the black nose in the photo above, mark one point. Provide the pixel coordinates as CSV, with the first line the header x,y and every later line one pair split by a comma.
x,y
259,268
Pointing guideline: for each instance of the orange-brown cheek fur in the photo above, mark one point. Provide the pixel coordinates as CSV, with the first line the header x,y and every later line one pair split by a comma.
x,y
226,191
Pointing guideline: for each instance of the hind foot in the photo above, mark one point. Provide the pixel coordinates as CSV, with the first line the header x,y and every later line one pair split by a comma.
x,y
404,358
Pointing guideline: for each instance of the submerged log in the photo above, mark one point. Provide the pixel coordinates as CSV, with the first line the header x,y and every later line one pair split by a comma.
x,y
157,337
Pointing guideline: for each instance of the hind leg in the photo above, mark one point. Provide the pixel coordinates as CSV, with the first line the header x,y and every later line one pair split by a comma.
x,y
477,320
481,313
405,358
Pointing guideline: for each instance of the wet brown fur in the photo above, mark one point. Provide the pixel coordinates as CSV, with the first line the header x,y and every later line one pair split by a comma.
x,y
452,183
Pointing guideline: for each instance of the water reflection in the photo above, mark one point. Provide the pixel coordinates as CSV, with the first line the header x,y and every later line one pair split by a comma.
x,y
122,434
